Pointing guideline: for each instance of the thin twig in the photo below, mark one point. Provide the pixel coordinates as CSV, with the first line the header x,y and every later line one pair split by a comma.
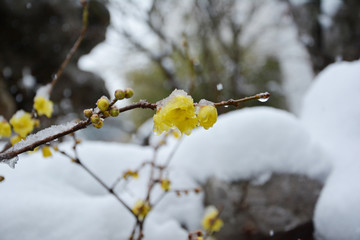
x,y
74,47
236,102
104,185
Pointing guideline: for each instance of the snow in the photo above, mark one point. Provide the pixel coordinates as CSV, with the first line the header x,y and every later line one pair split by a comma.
x,y
264,141
331,113
28,80
32,138
44,91
66,203
330,7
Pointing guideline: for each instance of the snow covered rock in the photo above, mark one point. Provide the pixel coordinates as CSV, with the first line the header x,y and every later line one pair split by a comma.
x,y
282,204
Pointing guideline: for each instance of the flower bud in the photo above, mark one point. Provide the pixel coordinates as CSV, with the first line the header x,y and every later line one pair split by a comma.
x,y
129,93
99,124
88,113
114,112
119,94
36,123
207,115
95,118
106,114
165,184
103,104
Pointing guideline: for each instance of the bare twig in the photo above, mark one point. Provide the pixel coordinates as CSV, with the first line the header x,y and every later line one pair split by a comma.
x,y
74,47
236,102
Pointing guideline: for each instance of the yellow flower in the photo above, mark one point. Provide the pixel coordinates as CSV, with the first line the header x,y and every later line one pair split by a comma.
x,y
211,221
22,123
165,184
130,173
176,111
43,106
33,151
141,209
15,139
207,115
46,151
5,129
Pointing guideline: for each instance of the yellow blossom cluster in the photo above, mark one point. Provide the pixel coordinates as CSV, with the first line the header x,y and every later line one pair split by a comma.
x,y
211,221
178,112
43,106
22,123
141,209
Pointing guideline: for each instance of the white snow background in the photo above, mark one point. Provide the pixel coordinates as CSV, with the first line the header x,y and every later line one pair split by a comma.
x,y
55,199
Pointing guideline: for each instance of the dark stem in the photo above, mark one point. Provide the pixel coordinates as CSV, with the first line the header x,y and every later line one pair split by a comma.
x,y
104,185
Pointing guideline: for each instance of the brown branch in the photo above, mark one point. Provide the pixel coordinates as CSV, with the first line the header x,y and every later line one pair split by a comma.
x,y
13,152
74,47
104,185
236,102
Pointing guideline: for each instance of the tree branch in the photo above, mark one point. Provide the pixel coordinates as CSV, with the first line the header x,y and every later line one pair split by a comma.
x,y
35,140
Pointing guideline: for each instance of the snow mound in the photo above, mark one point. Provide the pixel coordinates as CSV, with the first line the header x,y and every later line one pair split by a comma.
x,y
331,113
54,198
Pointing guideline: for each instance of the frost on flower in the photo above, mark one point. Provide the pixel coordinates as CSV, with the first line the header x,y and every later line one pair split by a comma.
x,y
207,114
22,123
211,221
175,111
5,129
141,209
42,104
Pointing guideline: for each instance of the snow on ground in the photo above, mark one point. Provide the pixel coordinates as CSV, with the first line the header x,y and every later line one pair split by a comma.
x,y
55,199
250,143
332,115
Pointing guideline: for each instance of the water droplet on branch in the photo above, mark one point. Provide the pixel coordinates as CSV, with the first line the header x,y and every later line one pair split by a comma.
x,y
264,97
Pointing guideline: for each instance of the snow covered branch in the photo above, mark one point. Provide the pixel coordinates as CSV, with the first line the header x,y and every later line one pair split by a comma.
x,y
57,131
